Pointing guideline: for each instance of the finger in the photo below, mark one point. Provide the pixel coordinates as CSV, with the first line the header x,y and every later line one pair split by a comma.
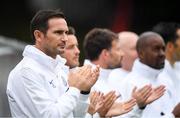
x,y
158,94
129,107
130,104
94,97
134,89
109,95
87,71
109,98
159,88
127,110
93,78
130,101
118,96
146,92
110,101
83,69
96,71
79,69
97,97
100,96
144,88
96,75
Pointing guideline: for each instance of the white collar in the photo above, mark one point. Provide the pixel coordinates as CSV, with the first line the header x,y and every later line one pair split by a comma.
x,y
177,65
169,69
104,73
36,54
145,70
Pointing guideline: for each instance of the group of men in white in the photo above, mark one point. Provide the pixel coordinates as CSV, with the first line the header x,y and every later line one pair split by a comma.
x,y
124,75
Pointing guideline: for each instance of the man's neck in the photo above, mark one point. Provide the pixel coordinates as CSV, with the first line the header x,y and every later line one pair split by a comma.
x,y
100,63
126,68
170,59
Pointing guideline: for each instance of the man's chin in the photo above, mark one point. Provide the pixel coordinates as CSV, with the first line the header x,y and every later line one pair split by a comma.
x,y
61,51
161,66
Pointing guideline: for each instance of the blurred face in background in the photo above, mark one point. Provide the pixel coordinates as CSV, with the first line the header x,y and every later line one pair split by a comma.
x,y
128,42
176,54
115,55
71,52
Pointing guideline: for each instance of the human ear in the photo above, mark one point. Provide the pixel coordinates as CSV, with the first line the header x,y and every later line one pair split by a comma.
x,y
38,35
141,54
170,47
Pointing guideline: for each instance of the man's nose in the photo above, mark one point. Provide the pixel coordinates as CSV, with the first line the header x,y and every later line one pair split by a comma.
x,y
64,37
77,50
162,52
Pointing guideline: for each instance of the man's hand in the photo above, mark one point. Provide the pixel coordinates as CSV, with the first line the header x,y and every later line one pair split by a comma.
x,y
109,100
96,102
147,95
121,108
84,77
156,94
142,95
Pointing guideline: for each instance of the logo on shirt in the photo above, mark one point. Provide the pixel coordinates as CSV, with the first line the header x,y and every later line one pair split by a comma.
x,y
52,84
64,81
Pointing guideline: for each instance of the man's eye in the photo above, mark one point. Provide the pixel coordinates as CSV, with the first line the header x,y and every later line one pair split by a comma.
x,y
66,32
59,32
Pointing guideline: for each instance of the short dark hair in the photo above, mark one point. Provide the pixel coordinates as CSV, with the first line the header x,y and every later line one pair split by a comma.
x,y
71,30
167,30
40,20
96,40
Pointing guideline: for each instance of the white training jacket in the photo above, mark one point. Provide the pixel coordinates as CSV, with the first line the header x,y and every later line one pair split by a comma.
x,y
37,87
140,76
170,78
177,80
103,86
116,78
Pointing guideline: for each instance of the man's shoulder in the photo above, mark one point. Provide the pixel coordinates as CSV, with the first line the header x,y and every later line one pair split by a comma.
x,y
26,64
133,78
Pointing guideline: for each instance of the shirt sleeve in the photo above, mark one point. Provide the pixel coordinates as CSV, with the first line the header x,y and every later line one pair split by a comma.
x,y
126,95
82,106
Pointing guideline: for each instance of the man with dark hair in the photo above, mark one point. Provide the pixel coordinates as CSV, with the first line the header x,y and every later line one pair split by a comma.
x,y
101,47
71,53
71,30
170,31
38,85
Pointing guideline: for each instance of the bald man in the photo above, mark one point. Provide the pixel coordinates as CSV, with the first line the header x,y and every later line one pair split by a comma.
x,y
151,52
127,42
